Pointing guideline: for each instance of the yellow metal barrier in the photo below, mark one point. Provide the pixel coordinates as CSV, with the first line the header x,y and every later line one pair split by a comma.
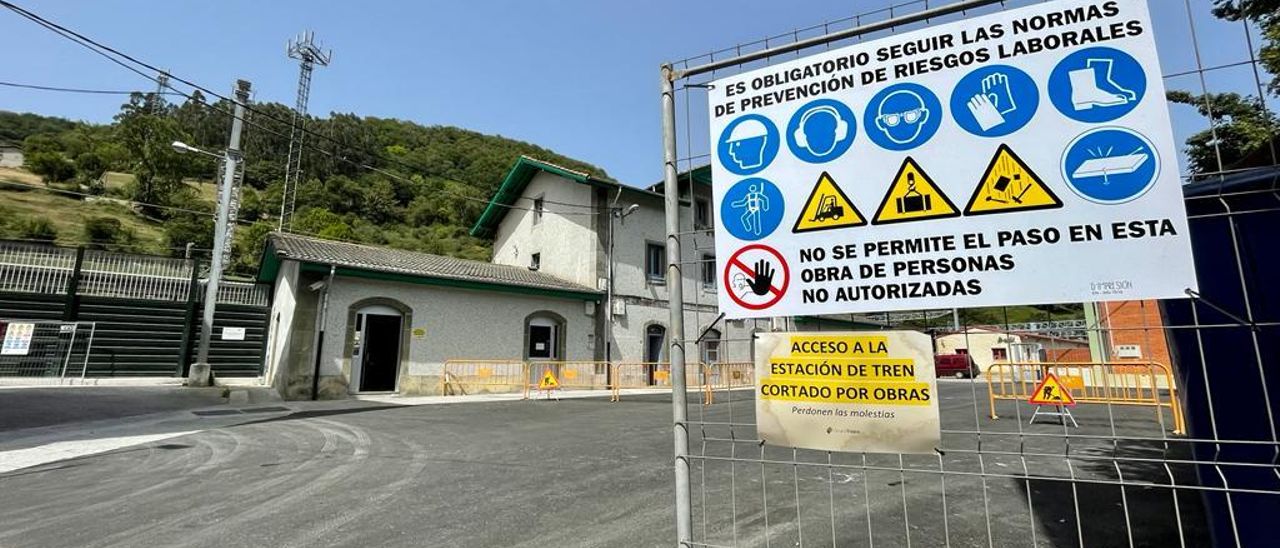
x,y
1113,383
581,375
484,376
491,376
728,376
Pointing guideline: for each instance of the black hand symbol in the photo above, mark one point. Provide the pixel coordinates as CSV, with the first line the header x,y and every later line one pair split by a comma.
x,y
763,278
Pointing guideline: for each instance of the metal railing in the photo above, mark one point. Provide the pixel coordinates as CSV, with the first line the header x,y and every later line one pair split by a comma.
x,y
465,376
42,269
1147,384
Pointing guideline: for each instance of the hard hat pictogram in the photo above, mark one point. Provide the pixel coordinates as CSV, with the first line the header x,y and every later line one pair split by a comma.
x,y
1010,185
826,208
913,196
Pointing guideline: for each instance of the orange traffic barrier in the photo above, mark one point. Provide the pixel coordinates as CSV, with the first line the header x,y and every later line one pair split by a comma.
x,y
1110,383
571,375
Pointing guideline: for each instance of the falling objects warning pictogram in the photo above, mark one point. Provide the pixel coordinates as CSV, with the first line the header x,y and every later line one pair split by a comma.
x,y
1010,185
827,208
913,196
1051,391
548,381
756,277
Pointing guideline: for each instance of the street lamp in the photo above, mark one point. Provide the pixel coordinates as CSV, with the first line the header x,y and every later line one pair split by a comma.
x,y
619,214
183,148
201,374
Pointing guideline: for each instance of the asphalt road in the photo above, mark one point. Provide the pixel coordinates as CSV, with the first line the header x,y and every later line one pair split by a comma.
x,y
35,407
588,473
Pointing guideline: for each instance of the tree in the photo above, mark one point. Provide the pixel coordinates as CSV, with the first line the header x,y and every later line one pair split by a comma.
x,y
186,228
90,167
1243,133
103,231
147,133
51,166
1267,14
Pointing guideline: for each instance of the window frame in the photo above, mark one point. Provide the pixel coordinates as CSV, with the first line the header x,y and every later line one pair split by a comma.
x,y
707,271
539,208
702,214
658,277
535,261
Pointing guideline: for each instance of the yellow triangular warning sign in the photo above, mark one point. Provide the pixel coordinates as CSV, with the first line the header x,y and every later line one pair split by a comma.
x,y
1050,391
827,208
548,381
913,197
1009,185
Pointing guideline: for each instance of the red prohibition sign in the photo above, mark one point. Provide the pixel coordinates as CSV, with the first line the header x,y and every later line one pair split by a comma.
x,y
776,291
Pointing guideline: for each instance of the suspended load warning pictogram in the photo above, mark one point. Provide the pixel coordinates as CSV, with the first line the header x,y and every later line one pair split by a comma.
x,y
827,208
1051,391
548,381
1009,185
913,196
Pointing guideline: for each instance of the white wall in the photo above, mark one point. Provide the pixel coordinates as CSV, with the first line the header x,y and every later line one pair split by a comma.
x,y
979,344
459,323
568,243
283,305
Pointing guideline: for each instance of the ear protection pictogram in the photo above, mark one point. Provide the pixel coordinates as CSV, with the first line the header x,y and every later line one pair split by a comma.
x,y
842,128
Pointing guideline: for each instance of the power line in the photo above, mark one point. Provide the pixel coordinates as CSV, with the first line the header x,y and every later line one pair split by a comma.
x,y
81,90
101,49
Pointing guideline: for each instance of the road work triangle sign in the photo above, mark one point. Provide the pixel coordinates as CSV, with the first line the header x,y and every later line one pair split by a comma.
x,y
1050,391
913,197
548,381
827,208
1010,185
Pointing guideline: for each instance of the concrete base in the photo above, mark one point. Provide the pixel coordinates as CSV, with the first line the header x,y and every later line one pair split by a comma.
x,y
201,375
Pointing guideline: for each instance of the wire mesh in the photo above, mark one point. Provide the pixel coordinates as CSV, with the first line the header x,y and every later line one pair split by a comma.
x,y
52,351
1120,475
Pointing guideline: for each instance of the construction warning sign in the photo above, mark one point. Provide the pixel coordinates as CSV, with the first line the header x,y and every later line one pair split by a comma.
x,y
548,381
1051,391
953,166
847,391
913,197
1009,185
827,208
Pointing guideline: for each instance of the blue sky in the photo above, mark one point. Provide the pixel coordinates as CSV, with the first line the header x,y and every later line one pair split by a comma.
x,y
578,76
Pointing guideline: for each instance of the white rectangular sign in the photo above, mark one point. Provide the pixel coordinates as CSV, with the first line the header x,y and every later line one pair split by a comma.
x,y
1022,157
853,391
233,333
17,339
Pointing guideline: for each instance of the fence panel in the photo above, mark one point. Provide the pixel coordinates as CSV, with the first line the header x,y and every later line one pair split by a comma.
x,y
1123,477
461,377
50,351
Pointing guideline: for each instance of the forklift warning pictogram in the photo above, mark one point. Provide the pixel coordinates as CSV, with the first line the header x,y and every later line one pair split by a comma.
x,y
827,208
756,277
913,197
1009,185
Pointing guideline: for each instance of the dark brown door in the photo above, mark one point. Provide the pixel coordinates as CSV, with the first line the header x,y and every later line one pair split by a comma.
x,y
381,360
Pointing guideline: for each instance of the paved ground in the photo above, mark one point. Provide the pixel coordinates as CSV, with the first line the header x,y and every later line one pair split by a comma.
x,y
36,407
579,473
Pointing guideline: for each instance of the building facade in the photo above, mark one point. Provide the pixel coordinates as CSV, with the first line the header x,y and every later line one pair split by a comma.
x,y
578,273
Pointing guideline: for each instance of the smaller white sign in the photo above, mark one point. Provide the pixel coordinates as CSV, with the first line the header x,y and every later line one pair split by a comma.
x,y
870,392
17,339
233,333
1128,351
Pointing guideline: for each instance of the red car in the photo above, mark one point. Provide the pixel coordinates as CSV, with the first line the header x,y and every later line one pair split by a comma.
x,y
960,366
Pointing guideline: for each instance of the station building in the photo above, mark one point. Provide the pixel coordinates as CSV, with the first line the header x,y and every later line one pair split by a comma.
x,y
578,273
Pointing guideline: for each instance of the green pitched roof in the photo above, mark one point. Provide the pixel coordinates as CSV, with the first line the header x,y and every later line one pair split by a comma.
x,y
518,178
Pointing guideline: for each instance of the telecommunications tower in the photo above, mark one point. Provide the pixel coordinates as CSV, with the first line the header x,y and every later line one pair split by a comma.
x,y
308,52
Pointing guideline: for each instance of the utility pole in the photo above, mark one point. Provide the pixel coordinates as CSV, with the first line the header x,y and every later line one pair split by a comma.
x,y
309,54
201,373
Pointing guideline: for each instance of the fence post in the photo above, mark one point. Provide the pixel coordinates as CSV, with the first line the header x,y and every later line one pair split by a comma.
x,y
188,319
71,309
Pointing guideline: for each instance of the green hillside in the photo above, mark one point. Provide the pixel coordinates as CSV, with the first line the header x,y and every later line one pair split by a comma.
x,y
368,180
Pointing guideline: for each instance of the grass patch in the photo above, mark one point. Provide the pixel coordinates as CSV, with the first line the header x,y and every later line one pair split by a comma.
x,y
68,215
